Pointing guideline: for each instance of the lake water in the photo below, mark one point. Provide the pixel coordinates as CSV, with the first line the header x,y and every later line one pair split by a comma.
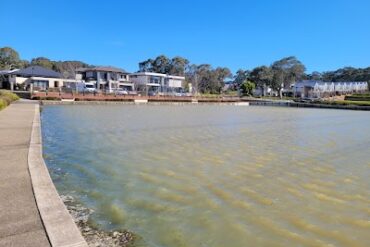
x,y
219,176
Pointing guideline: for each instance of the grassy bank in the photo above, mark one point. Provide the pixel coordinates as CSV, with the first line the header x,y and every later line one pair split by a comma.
x,y
361,97
347,102
276,98
7,97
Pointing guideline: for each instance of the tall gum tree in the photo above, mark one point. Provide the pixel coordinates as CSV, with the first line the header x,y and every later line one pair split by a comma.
x,y
9,58
285,72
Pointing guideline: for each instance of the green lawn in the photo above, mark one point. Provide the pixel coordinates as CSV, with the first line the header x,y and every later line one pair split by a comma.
x,y
347,102
358,98
276,98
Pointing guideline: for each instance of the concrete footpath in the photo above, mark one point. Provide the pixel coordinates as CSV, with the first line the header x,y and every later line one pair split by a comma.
x,y
20,221
31,212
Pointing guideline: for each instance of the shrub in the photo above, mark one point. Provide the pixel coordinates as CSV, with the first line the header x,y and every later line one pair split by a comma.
x,y
3,104
7,97
8,94
247,87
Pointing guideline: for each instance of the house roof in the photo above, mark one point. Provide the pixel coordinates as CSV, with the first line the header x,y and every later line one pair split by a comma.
x,y
103,68
159,75
5,72
312,83
37,71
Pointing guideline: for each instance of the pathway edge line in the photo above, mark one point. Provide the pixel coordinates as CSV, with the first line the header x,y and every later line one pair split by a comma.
x,y
58,223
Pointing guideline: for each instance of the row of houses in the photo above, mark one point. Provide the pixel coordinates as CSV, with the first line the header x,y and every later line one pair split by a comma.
x,y
321,89
108,79
315,89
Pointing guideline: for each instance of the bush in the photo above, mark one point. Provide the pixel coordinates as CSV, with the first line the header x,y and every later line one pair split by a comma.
x,y
8,94
247,87
7,97
3,104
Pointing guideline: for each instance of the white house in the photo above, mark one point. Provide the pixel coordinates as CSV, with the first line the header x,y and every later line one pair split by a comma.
x,y
319,89
34,78
156,82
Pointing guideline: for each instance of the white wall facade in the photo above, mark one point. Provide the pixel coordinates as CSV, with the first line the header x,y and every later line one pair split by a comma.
x,y
318,89
39,83
162,82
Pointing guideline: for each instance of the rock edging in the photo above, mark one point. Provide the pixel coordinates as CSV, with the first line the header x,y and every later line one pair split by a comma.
x,y
58,223
94,236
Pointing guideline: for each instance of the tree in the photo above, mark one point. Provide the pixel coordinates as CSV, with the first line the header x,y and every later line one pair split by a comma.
x,y
285,72
9,58
178,66
316,76
43,62
240,76
262,77
203,75
347,74
247,87
146,66
207,79
68,68
161,64
191,76
221,74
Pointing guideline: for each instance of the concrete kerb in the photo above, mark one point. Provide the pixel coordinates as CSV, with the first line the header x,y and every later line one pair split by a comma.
x,y
59,225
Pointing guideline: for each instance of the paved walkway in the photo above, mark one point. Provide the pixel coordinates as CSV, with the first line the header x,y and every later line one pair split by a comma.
x,y
20,222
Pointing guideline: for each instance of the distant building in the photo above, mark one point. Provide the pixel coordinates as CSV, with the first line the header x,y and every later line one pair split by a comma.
x,y
105,78
33,78
157,83
320,89
264,91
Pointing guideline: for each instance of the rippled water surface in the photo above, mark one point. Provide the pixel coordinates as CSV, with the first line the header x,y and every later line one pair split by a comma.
x,y
219,176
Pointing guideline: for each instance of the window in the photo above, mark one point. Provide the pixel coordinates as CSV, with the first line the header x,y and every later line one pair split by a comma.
x,y
40,85
89,74
56,83
155,79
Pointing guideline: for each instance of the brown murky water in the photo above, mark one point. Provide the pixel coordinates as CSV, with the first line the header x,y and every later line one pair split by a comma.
x,y
211,175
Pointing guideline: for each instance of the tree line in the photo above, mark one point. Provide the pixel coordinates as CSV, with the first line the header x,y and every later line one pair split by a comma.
x,y
278,76
10,59
203,77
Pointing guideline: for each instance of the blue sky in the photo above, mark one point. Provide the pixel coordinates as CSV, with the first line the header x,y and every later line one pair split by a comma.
x,y
324,35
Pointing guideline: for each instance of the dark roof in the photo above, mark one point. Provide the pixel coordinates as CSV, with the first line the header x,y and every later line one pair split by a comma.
x,y
103,68
37,71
